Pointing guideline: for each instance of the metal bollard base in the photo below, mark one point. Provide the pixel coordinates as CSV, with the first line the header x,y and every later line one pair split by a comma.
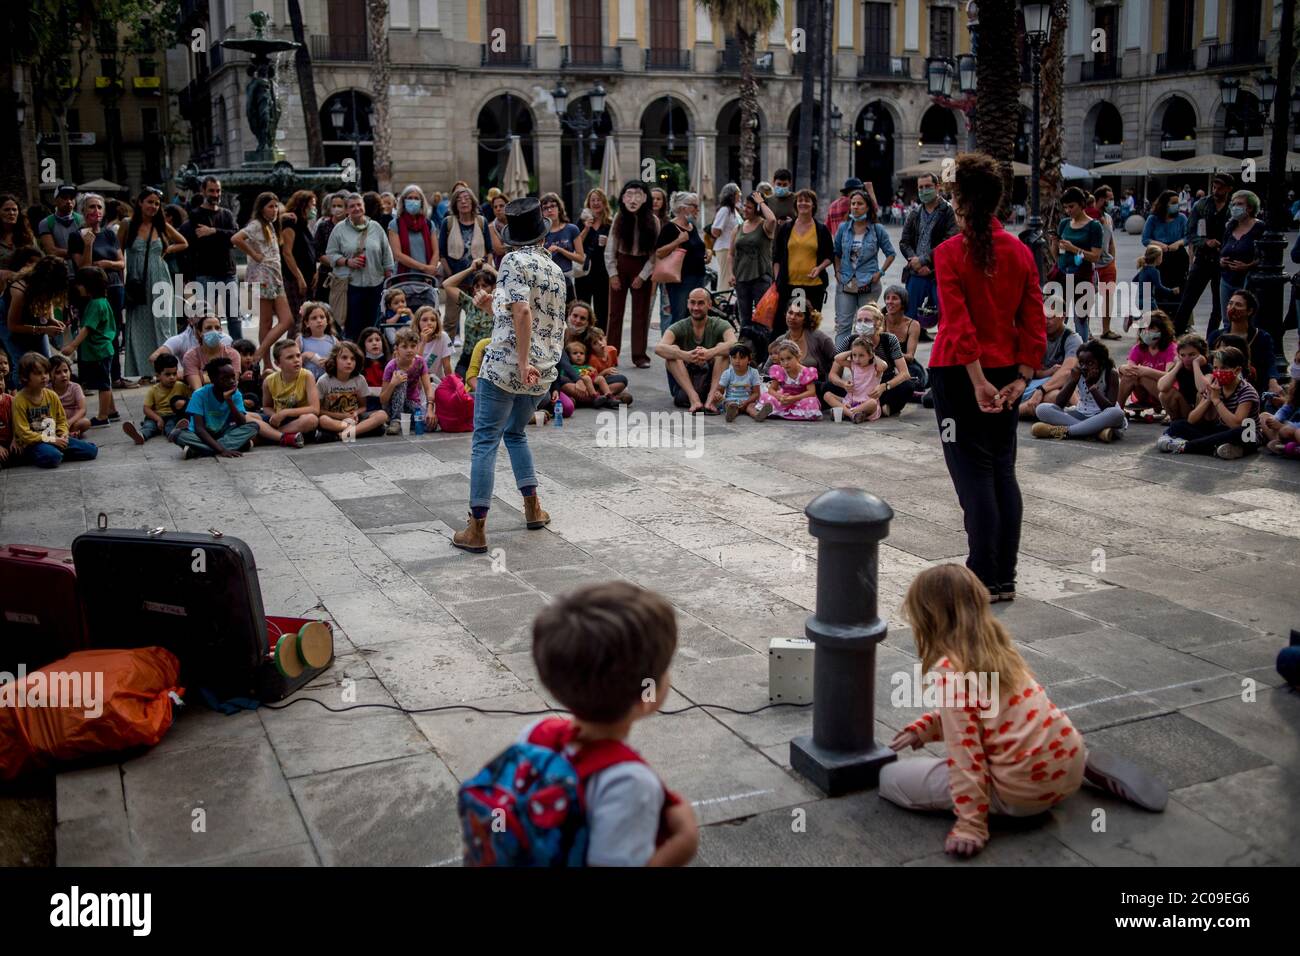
x,y
836,772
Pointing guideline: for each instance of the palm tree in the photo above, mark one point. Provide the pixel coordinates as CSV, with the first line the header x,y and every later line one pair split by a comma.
x,y
307,89
1051,145
747,20
377,15
998,82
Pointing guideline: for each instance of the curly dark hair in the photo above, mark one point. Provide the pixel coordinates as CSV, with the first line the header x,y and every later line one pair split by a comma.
x,y
977,193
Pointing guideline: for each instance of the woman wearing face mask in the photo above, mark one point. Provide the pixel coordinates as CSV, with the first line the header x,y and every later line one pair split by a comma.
x,y
859,242
1155,353
629,264
801,259
210,347
298,249
680,232
895,389
1166,227
97,245
1238,255
411,234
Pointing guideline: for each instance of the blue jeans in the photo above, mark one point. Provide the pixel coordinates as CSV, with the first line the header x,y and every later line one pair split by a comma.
x,y
234,437
846,307
149,428
678,292
920,288
230,308
499,415
45,455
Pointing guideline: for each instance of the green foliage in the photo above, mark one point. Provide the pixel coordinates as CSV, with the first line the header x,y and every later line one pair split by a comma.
x,y
752,16
671,176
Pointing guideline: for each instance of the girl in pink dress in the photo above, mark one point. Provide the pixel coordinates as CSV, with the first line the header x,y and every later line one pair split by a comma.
x,y
792,393
861,391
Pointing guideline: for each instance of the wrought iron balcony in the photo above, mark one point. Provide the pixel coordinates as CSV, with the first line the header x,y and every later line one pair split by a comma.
x,y
1108,69
598,58
512,56
667,59
884,64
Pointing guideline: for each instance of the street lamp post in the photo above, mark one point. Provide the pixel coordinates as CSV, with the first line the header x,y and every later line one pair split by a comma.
x,y
1038,28
581,126
845,135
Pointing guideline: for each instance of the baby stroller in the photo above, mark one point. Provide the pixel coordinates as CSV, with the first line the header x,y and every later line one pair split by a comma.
x,y
420,289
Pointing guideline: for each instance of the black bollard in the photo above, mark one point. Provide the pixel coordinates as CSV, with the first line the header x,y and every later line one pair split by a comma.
x,y
842,755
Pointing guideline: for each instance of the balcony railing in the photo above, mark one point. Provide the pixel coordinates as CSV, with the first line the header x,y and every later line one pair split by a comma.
x,y
1235,54
520,55
729,62
598,58
1099,70
353,48
884,64
1176,61
675,60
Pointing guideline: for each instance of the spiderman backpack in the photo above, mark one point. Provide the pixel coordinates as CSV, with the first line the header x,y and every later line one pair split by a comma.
x,y
525,807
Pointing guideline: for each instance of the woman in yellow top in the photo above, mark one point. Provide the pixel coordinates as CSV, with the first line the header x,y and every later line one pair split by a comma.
x,y
801,257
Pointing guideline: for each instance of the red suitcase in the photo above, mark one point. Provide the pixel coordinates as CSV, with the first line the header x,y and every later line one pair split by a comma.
x,y
41,616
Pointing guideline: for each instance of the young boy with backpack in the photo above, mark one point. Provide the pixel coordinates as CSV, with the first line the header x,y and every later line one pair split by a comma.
x,y
570,792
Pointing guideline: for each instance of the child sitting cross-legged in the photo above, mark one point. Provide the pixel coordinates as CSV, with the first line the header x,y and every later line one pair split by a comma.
x,y
217,423
740,386
591,387
164,403
594,648
1011,751
70,394
792,391
290,402
1094,386
1155,353
1225,421
40,424
406,383
862,391
343,390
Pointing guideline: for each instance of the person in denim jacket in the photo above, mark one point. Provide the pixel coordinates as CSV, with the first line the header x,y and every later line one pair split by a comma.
x,y
859,242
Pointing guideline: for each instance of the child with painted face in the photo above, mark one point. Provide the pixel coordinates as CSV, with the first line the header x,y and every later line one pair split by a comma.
x,y
792,389
1096,413
861,401
1225,421
343,391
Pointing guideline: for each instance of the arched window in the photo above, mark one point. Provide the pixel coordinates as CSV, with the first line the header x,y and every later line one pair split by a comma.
x,y
345,129
503,116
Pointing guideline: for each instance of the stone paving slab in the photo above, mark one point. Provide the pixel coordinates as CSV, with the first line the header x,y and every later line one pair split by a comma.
x,y
1148,654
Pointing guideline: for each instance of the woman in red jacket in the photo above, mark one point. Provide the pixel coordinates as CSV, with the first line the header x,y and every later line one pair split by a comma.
x,y
991,337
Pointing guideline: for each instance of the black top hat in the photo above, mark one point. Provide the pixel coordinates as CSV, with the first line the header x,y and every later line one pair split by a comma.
x,y
526,225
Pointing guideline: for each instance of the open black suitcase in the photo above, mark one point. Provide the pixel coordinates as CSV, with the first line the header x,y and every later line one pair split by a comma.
x,y
196,595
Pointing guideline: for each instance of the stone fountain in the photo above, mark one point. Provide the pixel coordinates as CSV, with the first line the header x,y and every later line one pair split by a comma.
x,y
265,167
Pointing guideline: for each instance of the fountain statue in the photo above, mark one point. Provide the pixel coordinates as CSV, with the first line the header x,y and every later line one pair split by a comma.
x,y
265,167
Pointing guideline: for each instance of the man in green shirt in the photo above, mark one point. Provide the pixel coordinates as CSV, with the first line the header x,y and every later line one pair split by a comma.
x,y
696,350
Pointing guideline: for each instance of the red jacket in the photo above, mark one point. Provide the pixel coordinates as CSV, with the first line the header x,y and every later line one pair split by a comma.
x,y
998,318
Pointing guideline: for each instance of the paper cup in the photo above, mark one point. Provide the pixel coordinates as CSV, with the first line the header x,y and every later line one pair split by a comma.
x,y
406,423
539,418
838,413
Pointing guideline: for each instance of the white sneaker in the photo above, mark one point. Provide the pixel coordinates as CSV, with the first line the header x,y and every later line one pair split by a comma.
x,y
1168,443
1229,452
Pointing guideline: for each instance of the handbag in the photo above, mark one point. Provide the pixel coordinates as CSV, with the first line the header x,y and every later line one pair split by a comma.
x,y
669,268
765,310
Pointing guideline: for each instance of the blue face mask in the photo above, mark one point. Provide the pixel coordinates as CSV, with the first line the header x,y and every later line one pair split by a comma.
x,y
781,190
212,339
412,206
857,218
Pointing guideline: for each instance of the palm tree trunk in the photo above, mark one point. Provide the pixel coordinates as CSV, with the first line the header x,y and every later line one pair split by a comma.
x,y
377,13
1051,145
307,89
803,172
827,54
998,82
748,108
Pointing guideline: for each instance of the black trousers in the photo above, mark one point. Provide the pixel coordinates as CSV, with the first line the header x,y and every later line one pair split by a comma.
x,y
1198,277
980,451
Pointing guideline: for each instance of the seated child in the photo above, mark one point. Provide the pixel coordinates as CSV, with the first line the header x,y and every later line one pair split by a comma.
x,y
1225,421
867,375
290,402
435,344
1094,386
377,352
164,403
1179,387
40,424
217,424
1281,428
250,373
1010,750
94,342
406,384
343,391
319,336
593,648
792,391
1150,358
8,452
590,387
70,394
396,313
604,359
740,386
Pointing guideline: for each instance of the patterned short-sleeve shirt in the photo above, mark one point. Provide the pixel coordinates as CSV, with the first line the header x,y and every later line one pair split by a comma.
x,y
527,275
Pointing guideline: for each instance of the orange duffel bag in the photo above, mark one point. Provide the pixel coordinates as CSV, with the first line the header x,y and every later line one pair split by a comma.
x,y
90,702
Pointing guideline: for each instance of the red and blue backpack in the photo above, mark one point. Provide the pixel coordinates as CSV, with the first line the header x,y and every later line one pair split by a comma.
x,y
525,808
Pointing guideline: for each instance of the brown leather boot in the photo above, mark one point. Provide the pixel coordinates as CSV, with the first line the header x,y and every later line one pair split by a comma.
x,y
534,516
474,537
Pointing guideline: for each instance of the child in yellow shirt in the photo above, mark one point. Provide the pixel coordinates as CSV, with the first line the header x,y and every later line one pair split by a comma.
x,y
40,424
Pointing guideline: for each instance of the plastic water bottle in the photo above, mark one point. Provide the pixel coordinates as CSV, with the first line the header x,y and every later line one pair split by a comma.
x,y
417,420
559,414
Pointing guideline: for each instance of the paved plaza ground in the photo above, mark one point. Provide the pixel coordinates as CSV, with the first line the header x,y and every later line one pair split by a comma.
x,y
1149,656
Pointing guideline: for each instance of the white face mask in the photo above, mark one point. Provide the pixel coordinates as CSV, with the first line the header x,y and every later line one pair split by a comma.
x,y
864,328
1295,371
1149,336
